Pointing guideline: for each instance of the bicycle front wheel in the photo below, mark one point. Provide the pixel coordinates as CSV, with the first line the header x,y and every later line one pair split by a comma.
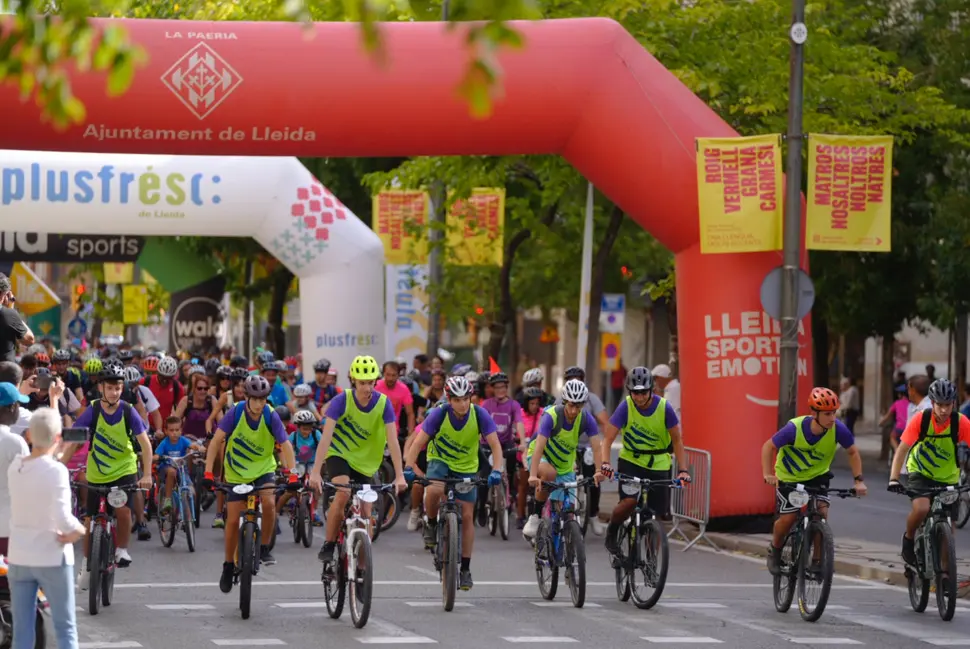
x,y
945,558
627,549
306,506
547,569
449,555
97,568
815,568
574,558
188,508
335,585
649,574
362,581
783,584
247,553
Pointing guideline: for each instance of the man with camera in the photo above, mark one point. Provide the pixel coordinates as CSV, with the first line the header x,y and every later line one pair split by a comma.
x,y
13,329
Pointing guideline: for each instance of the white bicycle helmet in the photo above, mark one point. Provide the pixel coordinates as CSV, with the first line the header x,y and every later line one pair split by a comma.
x,y
132,374
196,369
533,376
458,387
304,417
302,390
167,367
575,391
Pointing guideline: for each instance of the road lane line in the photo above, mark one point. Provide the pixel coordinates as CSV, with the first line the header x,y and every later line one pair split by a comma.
x,y
249,642
109,645
423,571
436,603
685,639
691,605
530,584
815,641
180,607
412,639
909,630
300,604
564,605
542,639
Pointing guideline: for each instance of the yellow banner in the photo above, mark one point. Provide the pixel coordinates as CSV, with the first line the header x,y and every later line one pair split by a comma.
x,y
134,303
475,228
33,295
123,273
849,193
400,220
739,192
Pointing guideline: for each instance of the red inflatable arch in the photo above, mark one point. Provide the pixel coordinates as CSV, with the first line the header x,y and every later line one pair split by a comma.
x,y
581,88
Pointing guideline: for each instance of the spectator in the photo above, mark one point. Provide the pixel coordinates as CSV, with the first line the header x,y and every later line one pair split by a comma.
x,y
422,365
12,446
42,534
10,372
931,372
850,403
13,330
669,386
617,383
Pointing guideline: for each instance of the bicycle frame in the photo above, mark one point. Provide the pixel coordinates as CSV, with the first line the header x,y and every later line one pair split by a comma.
x,y
939,513
559,512
354,522
449,504
807,514
642,508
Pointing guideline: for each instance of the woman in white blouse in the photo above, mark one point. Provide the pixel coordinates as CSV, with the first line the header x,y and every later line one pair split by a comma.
x,y
42,533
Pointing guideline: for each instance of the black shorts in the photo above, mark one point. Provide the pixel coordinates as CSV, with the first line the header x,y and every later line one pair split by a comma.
x,y
658,498
94,498
782,492
337,466
265,480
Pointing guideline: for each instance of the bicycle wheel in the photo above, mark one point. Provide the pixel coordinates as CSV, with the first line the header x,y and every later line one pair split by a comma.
x,y
392,510
306,534
188,507
247,552
490,514
362,581
582,508
574,559
627,547
815,568
783,584
110,570
335,586
377,518
547,570
298,519
97,567
449,574
945,558
502,513
961,512
166,526
649,575
196,503
40,633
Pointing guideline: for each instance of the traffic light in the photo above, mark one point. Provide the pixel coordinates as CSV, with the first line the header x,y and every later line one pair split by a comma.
x,y
77,295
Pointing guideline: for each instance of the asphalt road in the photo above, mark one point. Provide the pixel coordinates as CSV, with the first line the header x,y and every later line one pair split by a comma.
x,y
170,598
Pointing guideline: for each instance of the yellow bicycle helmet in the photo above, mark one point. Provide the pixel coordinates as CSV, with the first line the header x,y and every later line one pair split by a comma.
x,y
92,365
364,368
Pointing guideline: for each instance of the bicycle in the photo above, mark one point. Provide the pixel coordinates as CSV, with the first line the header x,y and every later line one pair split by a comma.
x,y
377,511
101,561
584,499
183,509
302,511
354,556
962,509
498,504
559,544
652,561
248,545
447,550
930,555
809,536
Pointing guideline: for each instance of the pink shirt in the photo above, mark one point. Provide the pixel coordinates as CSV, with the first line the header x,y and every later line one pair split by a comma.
x,y
901,409
80,458
399,395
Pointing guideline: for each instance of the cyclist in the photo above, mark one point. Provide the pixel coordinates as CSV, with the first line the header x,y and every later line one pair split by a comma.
x,y
453,431
251,431
507,415
533,379
555,445
167,390
305,440
302,401
174,445
360,425
806,447
650,431
933,436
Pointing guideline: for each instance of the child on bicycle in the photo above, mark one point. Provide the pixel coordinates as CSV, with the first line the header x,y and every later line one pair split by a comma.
x,y
173,446
305,441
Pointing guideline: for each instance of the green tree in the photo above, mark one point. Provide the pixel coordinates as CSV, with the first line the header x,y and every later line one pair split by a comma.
x,y
107,299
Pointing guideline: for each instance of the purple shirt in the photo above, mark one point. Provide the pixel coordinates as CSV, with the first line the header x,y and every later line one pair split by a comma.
x,y
786,436
505,414
138,425
621,414
436,416
589,425
275,424
338,406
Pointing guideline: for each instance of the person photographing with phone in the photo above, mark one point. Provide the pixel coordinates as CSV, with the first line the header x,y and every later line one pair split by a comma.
x,y
13,329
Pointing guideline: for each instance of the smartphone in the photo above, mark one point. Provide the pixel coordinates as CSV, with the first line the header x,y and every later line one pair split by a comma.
x,y
75,435
43,381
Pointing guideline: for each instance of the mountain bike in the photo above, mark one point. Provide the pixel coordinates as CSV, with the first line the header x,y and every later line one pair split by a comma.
x,y
936,557
101,561
650,561
961,513
354,556
584,500
247,547
182,512
447,550
301,513
807,555
559,543
498,503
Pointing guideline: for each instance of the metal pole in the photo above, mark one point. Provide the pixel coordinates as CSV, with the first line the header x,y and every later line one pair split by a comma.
x,y
582,338
788,370
435,235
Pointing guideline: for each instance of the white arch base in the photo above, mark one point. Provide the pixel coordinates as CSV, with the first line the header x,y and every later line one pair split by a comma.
x,y
339,260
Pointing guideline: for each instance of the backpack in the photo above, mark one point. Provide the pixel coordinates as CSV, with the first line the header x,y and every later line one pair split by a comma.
x,y
924,427
125,414
178,389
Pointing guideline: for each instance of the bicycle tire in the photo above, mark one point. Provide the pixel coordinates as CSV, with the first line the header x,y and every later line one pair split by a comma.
x,y
826,568
620,574
651,529
188,506
247,553
946,580
376,518
962,508
449,574
307,533
503,512
196,503
582,508
361,585
392,510
335,587
297,520
545,559
96,569
783,584
574,552
108,579
490,512
40,633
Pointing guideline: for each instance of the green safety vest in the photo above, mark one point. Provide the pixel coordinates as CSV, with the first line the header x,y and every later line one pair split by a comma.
x,y
360,437
457,447
646,440
561,446
250,452
111,455
935,454
802,461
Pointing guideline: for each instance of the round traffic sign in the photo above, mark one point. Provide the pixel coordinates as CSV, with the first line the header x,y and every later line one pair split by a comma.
x,y
771,293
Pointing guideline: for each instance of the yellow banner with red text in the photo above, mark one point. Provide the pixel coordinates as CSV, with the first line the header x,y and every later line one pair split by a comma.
x,y
476,228
401,221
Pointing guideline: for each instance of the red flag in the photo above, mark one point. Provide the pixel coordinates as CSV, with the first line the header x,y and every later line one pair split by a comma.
x,y
493,367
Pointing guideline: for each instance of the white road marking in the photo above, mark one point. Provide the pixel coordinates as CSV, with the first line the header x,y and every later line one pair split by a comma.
x,y
413,639
433,603
861,585
249,642
546,639
691,605
563,605
954,642
824,641
179,607
127,644
909,630
300,604
687,639
423,571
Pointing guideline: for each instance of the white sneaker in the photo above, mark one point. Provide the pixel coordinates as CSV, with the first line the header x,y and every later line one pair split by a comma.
x,y
415,520
122,558
599,528
531,527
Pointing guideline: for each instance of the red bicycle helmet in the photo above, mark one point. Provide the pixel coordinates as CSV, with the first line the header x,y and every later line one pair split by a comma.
x,y
150,364
823,400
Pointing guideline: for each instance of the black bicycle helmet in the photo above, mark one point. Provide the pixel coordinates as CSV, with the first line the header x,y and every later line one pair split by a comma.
x,y
283,412
124,355
224,371
112,362
111,374
212,366
575,372
942,391
61,355
498,377
322,365
639,378
531,393
239,361
239,373
257,386
265,357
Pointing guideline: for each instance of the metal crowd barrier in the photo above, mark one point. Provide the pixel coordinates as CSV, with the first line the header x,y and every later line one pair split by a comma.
x,y
692,504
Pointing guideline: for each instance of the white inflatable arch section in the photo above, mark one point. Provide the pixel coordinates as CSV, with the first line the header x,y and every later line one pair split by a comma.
x,y
338,259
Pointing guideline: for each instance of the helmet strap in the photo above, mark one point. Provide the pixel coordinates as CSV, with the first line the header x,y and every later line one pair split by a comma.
x,y
815,414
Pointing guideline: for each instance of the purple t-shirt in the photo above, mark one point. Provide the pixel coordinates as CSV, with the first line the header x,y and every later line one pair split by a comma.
x,y
338,405
786,436
275,424
505,414
621,414
432,423
589,425
138,425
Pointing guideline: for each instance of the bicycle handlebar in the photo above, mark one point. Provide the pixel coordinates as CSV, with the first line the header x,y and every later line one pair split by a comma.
x,y
425,481
670,483
936,491
562,486
103,490
354,487
226,487
820,491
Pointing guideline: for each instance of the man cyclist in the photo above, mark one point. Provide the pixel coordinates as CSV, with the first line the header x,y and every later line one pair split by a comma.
x,y
650,432
933,435
360,424
533,379
251,431
453,431
806,447
555,447
507,415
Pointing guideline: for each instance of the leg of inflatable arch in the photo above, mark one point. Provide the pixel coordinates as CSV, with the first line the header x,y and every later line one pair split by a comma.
x,y
729,372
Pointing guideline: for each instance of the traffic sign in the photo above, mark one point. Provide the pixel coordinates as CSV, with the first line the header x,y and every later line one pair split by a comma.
x,y
610,351
612,312
549,335
771,293
77,327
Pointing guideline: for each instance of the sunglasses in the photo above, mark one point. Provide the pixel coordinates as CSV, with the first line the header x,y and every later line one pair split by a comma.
x,y
202,388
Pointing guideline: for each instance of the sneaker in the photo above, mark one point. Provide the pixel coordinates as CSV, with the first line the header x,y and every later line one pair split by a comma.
x,y
465,580
613,543
144,534
219,522
122,558
531,527
598,526
228,572
430,534
326,553
909,551
166,506
265,557
774,561
414,520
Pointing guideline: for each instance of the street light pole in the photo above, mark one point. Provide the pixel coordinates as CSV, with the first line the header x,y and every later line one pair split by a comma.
x,y
791,240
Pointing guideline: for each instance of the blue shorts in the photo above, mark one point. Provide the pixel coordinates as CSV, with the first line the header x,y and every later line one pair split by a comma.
x,y
561,478
440,470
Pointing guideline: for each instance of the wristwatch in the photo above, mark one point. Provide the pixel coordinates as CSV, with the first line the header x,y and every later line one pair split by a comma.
x,y
858,478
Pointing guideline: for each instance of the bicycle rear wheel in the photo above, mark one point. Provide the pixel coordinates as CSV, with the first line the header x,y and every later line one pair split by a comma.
x,y
783,584
362,581
392,510
626,545
574,558
97,568
815,568
547,570
945,557
502,513
247,553
188,507
306,501
449,554
582,508
649,575
335,586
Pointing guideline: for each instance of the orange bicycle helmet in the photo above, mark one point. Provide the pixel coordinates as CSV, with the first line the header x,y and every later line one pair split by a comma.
x,y
150,364
42,358
823,400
